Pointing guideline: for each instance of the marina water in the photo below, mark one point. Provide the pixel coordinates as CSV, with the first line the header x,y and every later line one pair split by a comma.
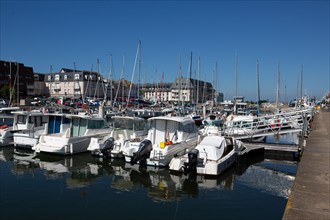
x,y
83,187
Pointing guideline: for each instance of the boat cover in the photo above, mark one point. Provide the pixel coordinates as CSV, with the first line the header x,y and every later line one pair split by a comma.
x,y
211,147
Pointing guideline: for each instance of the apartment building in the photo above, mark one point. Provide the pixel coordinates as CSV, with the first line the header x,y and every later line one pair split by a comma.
x,y
15,77
185,90
69,83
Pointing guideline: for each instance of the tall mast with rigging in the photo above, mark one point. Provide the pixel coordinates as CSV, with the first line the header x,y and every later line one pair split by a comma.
x,y
278,86
258,88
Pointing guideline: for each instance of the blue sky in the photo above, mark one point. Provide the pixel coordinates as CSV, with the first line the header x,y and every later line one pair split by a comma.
x,y
289,33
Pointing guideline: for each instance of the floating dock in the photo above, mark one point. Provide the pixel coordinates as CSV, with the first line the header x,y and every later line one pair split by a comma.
x,y
310,197
270,147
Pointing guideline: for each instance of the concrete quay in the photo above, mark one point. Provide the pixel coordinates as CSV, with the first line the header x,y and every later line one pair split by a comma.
x,y
310,197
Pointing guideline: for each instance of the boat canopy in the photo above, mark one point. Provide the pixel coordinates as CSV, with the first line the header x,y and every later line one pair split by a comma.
x,y
212,147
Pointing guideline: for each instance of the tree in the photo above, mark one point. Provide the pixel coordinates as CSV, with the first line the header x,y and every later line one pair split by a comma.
x,y
5,92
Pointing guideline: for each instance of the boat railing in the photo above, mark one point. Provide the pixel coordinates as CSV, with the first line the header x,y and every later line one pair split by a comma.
x,y
269,124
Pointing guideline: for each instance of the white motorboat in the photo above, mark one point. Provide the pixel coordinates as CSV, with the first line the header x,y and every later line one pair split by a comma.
x,y
167,137
211,157
76,138
212,125
29,126
6,125
126,130
240,125
57,125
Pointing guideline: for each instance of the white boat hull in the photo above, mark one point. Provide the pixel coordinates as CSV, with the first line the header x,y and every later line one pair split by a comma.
x,y
162,157
25,140
210,167
63,146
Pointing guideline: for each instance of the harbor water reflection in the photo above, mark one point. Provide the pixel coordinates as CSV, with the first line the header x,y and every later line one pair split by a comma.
x,y
84,187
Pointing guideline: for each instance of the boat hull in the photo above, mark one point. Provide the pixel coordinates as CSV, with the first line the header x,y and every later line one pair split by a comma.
x,y
63,146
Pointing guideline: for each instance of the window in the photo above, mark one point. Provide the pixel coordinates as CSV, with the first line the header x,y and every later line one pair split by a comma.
x,y
96,124
57,77
65,77
49,78
21,119
76,76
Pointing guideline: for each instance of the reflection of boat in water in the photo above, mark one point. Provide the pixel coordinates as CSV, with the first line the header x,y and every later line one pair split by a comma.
x,y
74,169
161,185
82,170
6,154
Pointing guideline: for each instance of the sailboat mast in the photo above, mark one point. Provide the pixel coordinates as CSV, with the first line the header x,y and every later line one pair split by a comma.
x,y
139,70
191,91
216,81
180,82
301,81
111,95
236,71
278,86
132,79
258,85
97,82
199,72
10,89
17,73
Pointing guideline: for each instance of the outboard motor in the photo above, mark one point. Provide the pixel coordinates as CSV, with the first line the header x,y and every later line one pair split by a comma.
x,y
143,153
190,167
108,146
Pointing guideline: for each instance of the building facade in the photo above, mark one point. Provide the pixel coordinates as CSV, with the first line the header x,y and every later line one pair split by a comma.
x,y
38,87
183,90
157,92
77,84
15,76
192,91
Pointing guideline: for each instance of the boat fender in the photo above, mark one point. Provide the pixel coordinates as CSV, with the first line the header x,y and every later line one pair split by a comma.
x,y
143,153
4,126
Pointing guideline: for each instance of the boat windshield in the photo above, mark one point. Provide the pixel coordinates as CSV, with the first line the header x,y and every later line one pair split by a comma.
x,y
216,123
129,124
21,119
97,124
